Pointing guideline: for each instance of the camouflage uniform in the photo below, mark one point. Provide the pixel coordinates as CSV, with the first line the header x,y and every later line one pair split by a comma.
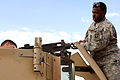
x,y
101,41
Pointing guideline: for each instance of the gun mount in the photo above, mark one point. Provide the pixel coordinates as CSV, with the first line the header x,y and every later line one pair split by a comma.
x,y
58,49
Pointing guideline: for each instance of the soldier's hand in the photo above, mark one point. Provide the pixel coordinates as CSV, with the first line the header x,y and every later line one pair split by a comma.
x,y
82,41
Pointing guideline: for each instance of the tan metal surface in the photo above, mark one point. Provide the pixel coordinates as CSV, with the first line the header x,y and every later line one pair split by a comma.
x,y
16,65
80,62
56,68
91,61
13,67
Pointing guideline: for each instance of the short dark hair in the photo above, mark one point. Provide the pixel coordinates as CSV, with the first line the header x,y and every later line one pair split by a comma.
x,y
100,5
8,41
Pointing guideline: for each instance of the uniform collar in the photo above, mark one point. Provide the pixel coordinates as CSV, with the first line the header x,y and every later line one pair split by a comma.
x,y
99,22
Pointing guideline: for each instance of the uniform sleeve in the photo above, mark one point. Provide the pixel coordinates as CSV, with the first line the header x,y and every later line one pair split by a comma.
x,y
98,39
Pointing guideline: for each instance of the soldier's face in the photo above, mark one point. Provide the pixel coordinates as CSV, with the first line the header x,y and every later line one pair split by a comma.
x,y
8,45
98,14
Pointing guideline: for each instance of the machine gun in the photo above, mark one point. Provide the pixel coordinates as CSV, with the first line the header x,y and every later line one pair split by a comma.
x,y
57,49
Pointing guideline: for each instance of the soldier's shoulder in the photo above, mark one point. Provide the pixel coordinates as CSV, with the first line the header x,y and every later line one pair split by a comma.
x,y
107,22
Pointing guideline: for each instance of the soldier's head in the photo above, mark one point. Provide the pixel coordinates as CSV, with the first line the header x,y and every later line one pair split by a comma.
x,y
8,44
99,10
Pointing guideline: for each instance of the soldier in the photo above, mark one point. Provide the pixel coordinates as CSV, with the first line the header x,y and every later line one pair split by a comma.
x,y
8,44
101,42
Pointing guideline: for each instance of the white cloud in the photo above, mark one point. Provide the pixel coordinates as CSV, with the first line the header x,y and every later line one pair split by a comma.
x,y
112,14
78,37
28,37
21,37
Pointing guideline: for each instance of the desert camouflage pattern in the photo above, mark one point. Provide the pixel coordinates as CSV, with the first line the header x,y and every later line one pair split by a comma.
x,y
101,41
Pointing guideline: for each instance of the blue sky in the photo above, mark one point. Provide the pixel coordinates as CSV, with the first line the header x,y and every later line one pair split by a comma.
x,y
50,15
53,20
